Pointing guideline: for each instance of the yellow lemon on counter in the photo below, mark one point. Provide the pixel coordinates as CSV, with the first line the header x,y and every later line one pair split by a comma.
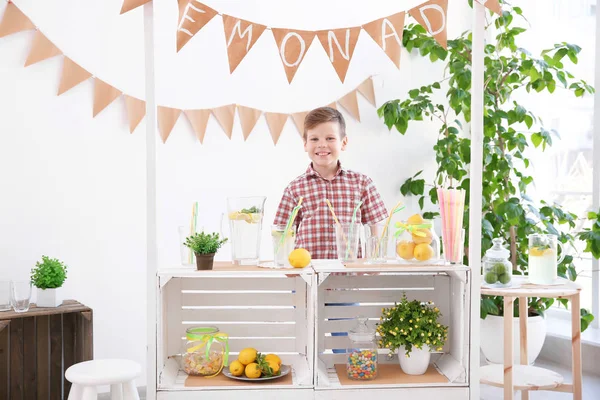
x,y
406,249
273,357
275,366
247,356
236,368
423,252
253,371
299,258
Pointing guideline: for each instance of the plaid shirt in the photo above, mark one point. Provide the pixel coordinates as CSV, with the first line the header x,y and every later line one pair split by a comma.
x,y
315,224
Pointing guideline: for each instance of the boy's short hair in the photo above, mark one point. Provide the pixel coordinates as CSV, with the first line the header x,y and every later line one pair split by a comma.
x,y
322,115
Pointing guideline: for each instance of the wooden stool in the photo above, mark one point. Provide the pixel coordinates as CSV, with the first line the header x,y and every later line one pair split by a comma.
x,y
525,377
119,374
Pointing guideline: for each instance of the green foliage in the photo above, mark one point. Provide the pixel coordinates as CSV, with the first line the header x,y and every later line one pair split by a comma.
x,y
204,243
510,130
48,274
591,236
411,323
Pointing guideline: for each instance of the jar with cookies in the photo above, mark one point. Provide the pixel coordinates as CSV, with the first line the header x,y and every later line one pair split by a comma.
x,y
416,240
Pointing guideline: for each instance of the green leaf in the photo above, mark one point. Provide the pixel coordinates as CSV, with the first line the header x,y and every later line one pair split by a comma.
x,y
421,200
414,93
536,139
417,187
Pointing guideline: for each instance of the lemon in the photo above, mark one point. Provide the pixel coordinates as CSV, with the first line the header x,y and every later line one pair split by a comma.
x,y
273,357
275,366
405,249
299,258
423,252
236,368
415,219
253,371
426,238
247,356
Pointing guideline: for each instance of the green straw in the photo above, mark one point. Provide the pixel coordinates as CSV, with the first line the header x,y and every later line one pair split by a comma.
x,y
290,221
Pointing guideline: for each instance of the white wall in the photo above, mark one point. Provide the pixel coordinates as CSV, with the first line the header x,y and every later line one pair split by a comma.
x,y
73,187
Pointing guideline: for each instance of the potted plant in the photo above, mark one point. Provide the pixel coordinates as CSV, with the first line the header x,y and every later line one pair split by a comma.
x,y
511,134
412,328
204,246
48,277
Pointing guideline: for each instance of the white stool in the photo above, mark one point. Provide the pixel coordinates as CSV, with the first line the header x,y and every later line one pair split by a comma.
x,y
119,374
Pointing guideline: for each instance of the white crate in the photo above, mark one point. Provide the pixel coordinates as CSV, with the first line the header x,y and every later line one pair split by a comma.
x,y
270,310
373,288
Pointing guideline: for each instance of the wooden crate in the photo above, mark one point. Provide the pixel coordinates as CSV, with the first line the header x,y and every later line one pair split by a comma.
x,y
270,310
38,346
363,290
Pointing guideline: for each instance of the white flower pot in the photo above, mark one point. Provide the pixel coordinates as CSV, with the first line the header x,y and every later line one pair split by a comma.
x,y
418,361
492,338
49,297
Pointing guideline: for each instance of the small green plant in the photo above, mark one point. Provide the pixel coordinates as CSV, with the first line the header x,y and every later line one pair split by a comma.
x,y
48,274
204,243
411,323
591,236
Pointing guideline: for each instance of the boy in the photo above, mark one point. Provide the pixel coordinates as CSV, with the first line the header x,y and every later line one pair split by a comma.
x,y
324,138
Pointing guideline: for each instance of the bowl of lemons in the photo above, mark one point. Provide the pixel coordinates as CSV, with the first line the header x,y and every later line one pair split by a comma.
x,y
254,366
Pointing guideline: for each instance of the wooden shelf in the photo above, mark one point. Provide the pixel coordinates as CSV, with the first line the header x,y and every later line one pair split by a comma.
x,y
68,306
521,288
227,269
525,377
331,266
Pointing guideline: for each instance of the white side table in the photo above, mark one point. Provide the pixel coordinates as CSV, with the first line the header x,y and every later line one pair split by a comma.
x,y
119,374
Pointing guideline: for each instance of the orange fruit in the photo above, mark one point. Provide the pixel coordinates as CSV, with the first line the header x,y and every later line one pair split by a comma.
x,y
299,258
273,357
236,368
405,249
253,371
423,252
428,238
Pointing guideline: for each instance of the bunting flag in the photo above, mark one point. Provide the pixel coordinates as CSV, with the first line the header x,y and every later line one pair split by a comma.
x,y
367,90
14,21
41,49
136,111
224,116
193,15
72,75
129,5
167,118
339,44
298,119
248,118
492,5
387,33
292,46
104,94
432,16
350,103
276,122
199,120
240,36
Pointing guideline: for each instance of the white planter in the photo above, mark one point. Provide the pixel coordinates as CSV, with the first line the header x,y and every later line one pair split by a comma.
x,y
492,338
49,297
418,361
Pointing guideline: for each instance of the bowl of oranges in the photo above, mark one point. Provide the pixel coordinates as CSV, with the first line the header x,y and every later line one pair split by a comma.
x,y
416,240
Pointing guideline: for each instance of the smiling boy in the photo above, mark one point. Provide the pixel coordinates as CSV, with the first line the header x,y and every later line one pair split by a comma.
x,y
325,178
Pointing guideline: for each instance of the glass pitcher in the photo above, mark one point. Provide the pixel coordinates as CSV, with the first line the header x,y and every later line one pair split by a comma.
x,y
543,262
245,215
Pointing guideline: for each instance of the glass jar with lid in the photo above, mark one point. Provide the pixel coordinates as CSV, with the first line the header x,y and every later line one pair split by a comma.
x,y
362,354
497,268
205,351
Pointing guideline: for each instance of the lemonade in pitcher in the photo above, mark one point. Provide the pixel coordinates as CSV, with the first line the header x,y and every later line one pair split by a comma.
x,y
245,223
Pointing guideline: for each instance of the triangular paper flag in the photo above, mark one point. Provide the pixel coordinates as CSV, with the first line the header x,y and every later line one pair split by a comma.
x,y
224,116
129,5
104,94
350,104
432,16
240,36
367,90
193,16
292,46
387,33
14,21
276,122
332,105
167,117
339,45
136,110
248,118
298,119
72,75
41,49
198,119
493,5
